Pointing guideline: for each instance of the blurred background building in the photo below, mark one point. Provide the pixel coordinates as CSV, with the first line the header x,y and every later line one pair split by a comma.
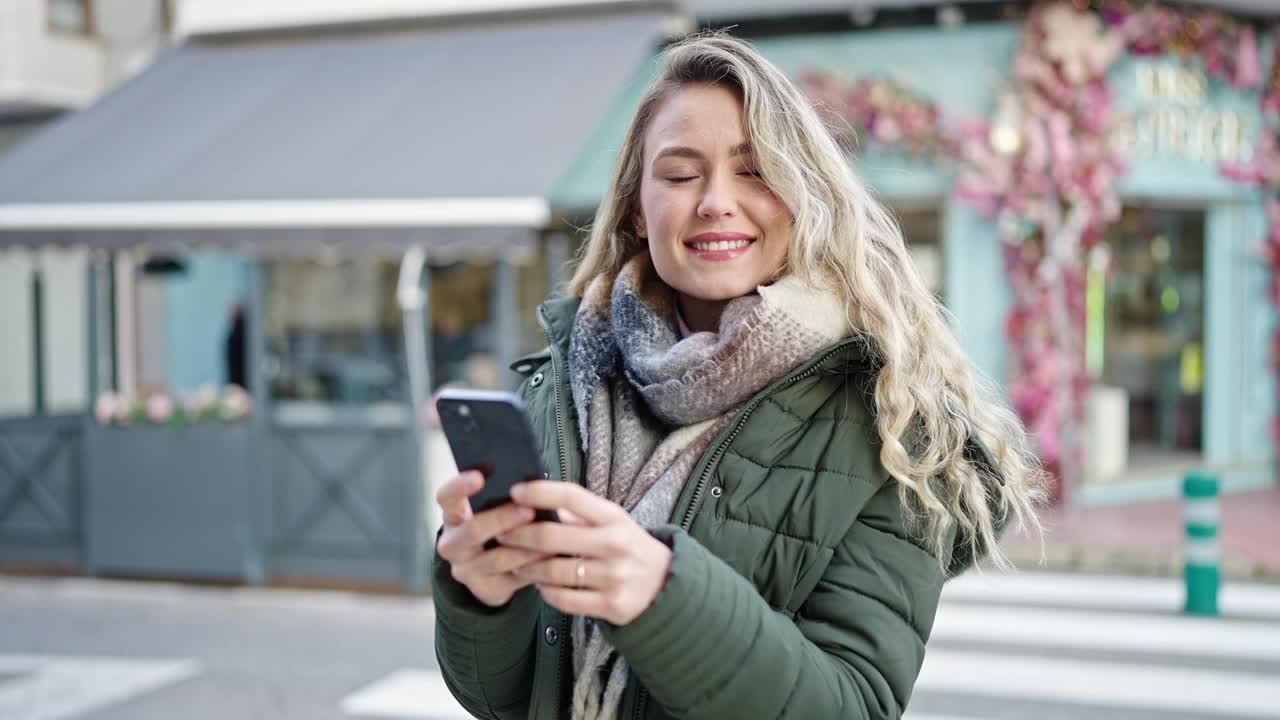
x,y
189,182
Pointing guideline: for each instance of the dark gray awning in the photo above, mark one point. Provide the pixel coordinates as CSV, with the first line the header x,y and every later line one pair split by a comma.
x,y
387,138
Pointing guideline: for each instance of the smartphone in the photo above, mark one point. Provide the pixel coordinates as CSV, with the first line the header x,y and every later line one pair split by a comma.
x,y
489,431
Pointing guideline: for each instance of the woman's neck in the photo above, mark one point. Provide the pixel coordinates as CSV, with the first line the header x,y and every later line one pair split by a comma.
x,y
700,315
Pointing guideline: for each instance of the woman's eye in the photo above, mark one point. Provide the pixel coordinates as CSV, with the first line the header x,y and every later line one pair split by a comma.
x,y
682,178
750,174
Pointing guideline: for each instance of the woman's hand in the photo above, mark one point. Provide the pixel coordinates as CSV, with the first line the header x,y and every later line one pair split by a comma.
x,y
486,573
617,568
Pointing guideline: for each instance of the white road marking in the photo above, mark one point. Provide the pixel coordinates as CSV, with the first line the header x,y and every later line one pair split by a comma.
x,y
58,687
1101,683
1132,632
406,694
1253,600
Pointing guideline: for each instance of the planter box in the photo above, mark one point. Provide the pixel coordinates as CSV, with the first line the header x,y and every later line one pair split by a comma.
x,y
171,501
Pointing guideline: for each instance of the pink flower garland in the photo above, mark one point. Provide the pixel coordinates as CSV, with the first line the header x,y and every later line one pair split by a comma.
x,y
1052,197
887,113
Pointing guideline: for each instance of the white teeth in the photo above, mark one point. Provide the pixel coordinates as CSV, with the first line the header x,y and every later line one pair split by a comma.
x,y
722,245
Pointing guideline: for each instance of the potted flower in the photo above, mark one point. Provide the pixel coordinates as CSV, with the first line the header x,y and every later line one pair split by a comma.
x,y
169,484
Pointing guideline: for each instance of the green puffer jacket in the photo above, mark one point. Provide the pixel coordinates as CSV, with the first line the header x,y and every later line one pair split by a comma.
x,y
795,589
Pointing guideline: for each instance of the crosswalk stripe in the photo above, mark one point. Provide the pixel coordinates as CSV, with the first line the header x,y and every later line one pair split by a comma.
x,y
1101,683
1132,632
406,694
1244,600
56,688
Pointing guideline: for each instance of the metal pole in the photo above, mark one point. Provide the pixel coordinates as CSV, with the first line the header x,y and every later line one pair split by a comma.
x,y
93,377
109,323
506,328
1202,569
37,330
413,296
255,556
94,279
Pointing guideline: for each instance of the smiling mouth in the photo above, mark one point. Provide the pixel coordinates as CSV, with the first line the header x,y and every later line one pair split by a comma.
x,y
714,245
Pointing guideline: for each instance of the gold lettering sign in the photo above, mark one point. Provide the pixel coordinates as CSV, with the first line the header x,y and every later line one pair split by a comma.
x,y
1178,121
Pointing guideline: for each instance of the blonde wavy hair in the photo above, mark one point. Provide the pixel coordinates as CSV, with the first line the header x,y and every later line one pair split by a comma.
x,y
846,241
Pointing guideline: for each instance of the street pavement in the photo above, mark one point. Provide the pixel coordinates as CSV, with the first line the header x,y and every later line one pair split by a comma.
x,y
1031,645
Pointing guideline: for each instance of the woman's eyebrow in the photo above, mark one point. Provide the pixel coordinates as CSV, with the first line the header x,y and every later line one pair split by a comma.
x,y
678,151
695,154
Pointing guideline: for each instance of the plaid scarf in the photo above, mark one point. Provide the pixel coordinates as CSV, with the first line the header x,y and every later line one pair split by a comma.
x,y
650,402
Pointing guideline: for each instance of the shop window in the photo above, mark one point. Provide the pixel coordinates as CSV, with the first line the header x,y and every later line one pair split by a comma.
x,y
334,331
72,17
1145,346
922,229
462,324
329,337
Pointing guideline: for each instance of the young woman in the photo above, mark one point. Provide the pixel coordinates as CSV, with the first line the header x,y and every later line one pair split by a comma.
x,y
775,451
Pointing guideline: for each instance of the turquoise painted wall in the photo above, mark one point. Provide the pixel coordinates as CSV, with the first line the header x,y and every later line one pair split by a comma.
x,y
199,304
976,291
1240,391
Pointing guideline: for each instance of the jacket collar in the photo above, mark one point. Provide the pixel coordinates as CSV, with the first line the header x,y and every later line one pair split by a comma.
x,y
556,316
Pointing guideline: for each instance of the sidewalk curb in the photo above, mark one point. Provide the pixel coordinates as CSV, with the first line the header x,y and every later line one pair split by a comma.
x,y
1066,557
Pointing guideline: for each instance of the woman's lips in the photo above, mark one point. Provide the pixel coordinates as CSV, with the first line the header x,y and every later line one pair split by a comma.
x,y
719,246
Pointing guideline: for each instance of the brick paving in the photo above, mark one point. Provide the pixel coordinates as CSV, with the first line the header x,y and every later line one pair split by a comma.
x,y
1147,538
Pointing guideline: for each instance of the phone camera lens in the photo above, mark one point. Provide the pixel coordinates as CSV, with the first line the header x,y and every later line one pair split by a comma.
x,y
464,410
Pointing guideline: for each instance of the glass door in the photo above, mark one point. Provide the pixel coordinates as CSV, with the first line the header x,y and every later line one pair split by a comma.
x,y
1146,344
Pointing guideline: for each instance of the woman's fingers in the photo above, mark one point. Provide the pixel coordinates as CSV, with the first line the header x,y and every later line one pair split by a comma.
x,y
569,572
568,517
489,524
463,542
556,495
453,497
554,538
505,559
588,603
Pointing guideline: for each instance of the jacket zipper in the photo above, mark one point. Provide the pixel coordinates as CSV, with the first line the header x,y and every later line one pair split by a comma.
x,y
555,388
565,639
696,501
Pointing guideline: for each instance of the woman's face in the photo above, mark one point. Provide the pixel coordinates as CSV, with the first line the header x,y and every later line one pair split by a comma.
x,y
715,230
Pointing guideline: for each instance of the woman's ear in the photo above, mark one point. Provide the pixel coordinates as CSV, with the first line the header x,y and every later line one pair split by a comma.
x,y
637,220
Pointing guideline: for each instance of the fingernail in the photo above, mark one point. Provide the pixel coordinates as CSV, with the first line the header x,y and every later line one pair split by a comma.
x,y
517,491
526,513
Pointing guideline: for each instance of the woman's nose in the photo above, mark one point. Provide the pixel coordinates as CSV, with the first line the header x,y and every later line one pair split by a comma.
x,y
717,201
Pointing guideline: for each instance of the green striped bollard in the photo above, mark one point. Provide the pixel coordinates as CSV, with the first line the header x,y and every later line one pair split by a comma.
x,y
1202,573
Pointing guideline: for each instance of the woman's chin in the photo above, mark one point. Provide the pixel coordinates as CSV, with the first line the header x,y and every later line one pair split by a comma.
x,y
707,290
